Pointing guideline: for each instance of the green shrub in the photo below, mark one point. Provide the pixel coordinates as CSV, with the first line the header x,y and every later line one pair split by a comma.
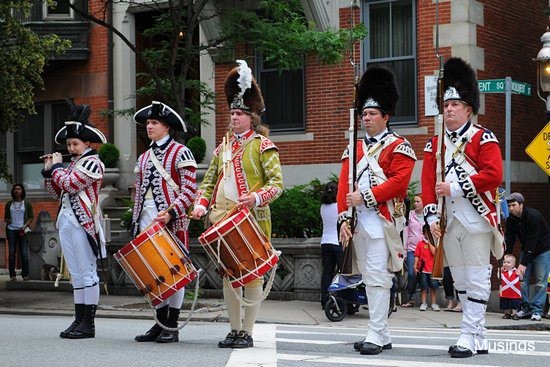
x,y
109,154
296,212
197,145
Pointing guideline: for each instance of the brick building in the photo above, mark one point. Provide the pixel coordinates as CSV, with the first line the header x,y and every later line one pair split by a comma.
x,y
307,109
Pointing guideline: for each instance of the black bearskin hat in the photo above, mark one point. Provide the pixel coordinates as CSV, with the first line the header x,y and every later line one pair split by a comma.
x,y
159,111
378,89
78,126
460,83
241,90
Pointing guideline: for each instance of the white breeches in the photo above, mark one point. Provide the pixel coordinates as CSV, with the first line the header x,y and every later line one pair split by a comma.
x,y
78,253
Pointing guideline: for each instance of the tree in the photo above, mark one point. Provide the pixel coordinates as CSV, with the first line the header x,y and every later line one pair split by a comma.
x,y
23,55
278,28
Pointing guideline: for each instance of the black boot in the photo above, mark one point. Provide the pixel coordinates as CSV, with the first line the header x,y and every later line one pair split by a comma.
x,y
86,329
170,336
78,318
152,334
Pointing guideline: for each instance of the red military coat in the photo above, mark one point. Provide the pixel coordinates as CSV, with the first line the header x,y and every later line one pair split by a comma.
x,y
397,162
480,151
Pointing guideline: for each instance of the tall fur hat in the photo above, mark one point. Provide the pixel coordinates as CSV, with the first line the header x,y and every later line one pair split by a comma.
x,y
241,90
460,83
78,126
159,111
378,89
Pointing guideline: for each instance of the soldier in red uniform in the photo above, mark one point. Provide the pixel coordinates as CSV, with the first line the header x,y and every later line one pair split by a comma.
x,y
78,220
473,171
385,162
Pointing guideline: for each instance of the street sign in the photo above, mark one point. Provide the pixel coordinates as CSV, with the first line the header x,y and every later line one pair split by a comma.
x,y
539,149
499,86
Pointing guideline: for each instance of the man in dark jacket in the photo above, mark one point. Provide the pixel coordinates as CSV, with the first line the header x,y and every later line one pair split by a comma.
x,y
531,229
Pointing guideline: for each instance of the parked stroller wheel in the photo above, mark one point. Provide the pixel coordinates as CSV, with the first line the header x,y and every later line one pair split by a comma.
x,y
336,309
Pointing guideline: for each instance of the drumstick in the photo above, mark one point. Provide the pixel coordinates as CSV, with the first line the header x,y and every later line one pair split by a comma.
x,y
153,222
229,213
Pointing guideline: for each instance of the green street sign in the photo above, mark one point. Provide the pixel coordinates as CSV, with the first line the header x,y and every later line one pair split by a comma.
x,y
499,86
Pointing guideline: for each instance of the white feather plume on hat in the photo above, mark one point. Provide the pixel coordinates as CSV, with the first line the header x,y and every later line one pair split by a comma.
x,y
245,77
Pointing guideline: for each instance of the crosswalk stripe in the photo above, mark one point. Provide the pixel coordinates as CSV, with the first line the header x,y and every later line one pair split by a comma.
x,y
264,352
310,341
366,361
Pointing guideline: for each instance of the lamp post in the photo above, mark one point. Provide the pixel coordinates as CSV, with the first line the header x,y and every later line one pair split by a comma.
x,y
543,70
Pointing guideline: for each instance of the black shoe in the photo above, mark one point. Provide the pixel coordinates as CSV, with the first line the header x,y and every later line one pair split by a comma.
x,y
229,339
151,335
482,351
243,340
370,349
82,331
68,330
79,310
168,337
460,352
357,345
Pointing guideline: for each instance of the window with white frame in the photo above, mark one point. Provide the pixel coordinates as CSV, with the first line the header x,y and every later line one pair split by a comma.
x,y
283,94
60,11
391,42
33,138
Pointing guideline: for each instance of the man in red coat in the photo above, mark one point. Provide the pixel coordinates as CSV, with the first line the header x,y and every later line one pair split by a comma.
x,y
473,171
385,162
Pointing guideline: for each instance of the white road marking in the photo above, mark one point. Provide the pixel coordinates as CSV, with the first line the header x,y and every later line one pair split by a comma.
x,y
367,361
264,352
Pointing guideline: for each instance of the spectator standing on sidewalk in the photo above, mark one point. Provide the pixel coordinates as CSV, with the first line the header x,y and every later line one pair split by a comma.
x,y
510,292
531,229
332,252
413,235
18,215
423,264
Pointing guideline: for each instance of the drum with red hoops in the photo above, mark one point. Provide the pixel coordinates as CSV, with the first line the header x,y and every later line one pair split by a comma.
x,y
239,248
157,263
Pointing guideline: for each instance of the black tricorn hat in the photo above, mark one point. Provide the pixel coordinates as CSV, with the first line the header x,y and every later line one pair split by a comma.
x,y
78,126
241,90
378,89
159,111
460,83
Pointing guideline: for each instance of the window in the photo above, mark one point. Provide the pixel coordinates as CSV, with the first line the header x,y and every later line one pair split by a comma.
x,y
61,10
33,138
283,97
392,42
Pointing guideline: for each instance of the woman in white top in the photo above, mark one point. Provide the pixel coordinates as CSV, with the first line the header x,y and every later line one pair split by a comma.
x,y
18,216
332,253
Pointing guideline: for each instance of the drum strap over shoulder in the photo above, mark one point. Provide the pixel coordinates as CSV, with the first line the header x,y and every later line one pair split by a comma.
x,y
165,175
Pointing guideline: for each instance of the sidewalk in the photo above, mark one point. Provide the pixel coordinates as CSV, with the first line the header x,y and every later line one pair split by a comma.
x,y
20,299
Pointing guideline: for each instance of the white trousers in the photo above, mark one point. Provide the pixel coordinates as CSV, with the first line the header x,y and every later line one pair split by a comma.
x,y
372,261
468,257
80,259
148,214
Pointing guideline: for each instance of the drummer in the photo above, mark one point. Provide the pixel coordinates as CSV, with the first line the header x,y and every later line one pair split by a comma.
x,y
165,188
245,171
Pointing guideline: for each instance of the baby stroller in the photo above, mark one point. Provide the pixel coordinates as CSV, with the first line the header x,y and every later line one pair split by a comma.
x,y
346,294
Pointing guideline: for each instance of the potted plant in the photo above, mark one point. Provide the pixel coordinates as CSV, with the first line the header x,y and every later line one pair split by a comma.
x,y
197,145
109,154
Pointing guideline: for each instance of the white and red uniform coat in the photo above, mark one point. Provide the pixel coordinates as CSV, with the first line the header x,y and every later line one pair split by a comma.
x,y
179,163
396,159
82,175
474,163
